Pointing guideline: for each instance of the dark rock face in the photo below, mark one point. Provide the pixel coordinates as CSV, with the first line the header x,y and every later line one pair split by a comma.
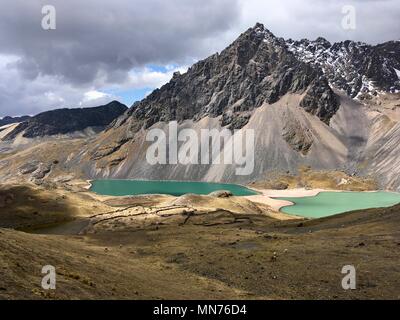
x,y
63,121
298,137
391,51
357,68
319,101
10,120
257,68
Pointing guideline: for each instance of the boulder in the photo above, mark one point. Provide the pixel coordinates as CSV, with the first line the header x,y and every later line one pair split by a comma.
x,y
221,194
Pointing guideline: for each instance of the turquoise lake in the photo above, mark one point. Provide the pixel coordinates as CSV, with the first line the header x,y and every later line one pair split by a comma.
x,y
331,203
174,188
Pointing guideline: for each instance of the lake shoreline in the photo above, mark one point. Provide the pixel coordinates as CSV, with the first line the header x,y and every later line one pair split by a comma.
x,y
330,203
126,187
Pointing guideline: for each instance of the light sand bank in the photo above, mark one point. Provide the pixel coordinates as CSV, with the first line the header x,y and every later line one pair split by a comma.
x,y
267,196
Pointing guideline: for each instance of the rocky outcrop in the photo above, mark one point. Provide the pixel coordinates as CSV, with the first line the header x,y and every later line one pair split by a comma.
x,y
64,121
29,167
42,171
221,194
320,101
36,170
297,136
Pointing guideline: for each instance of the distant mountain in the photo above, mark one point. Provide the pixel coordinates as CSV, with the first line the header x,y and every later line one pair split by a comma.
x,y
9,120
63,121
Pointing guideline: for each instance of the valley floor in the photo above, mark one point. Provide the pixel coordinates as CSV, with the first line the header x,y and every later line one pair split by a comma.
x,y
191,247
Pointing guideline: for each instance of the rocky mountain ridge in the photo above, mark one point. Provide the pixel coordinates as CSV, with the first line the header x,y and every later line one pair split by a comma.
x,y
10,120
63,121
359,69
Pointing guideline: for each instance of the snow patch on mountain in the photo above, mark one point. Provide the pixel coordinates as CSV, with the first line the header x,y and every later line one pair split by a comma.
x,y
355,67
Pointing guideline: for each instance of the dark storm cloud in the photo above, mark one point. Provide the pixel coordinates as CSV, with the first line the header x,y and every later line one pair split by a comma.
x,y
105,39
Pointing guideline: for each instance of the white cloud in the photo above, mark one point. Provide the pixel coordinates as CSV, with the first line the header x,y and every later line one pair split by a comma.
x,y
148,78
94,94
94,98
7,60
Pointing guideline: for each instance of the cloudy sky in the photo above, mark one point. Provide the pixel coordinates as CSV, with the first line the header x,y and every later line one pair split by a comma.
x,y
122,49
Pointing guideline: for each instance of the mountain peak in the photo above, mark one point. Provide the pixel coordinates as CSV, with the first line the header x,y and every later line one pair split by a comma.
x,y
259,25
263,33
323,42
